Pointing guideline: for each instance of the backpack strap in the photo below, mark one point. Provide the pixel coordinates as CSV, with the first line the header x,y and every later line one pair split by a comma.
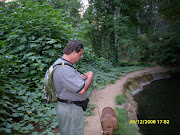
x,y
64,63
49,82
61,64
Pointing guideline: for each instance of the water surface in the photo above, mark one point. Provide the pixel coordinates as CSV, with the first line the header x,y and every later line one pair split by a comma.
x,y
160,101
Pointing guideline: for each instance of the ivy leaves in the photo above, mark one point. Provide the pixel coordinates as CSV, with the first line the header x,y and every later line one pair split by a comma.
x,y
30,35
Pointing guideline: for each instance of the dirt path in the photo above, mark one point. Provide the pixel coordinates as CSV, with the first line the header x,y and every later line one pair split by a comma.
x,y
105,97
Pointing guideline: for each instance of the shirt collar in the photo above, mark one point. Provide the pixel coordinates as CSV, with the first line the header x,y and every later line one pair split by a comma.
x,y
66,60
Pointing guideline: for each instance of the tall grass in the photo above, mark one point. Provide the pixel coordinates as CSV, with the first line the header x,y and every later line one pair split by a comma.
x,y
120,99
124,127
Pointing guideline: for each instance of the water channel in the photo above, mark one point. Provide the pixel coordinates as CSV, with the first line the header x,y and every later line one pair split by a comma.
x,y
160,101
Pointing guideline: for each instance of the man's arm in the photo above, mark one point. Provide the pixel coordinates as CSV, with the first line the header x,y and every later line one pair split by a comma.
x,y
88,81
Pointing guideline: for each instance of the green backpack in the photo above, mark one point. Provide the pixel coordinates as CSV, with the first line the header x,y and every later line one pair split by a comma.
x,y
48,85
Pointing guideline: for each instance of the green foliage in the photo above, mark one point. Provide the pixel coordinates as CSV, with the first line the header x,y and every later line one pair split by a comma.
x,y
166,47
33,34
170,10
71,8
142,49
89,110
105,73
124,127
111,27
32,37
120,99
123,30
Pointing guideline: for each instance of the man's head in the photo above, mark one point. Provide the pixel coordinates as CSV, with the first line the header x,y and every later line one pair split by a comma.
x,y
73,50
73,45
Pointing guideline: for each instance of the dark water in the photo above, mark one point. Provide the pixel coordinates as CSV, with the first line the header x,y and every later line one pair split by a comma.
x,y
160,101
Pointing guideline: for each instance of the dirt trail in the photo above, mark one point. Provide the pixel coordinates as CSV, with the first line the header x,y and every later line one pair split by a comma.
x,y
105,97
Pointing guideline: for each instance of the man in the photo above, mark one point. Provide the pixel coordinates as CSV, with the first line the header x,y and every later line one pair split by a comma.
x,y
71,89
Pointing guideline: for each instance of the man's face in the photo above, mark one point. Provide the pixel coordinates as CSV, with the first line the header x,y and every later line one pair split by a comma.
x,y
77,56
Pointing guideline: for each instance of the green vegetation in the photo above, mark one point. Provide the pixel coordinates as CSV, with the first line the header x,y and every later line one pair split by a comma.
x,y
135,30
125,128
89,109
32,37
119,37
120,99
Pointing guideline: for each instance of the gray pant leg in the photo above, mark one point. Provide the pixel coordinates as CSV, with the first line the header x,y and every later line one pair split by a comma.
x,y
70,119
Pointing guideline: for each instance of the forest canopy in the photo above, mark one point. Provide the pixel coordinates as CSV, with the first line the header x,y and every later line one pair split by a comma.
x,y
138,30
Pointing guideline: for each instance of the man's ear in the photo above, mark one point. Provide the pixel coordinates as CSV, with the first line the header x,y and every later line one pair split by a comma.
x,y
73,53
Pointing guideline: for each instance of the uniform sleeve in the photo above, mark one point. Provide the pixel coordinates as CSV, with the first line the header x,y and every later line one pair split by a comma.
x,y
70,78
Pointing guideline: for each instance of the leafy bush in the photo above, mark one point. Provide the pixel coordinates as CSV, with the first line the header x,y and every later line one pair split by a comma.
x,y
32,36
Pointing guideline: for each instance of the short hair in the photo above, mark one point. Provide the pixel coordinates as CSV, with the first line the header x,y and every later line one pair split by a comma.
x,y
73,45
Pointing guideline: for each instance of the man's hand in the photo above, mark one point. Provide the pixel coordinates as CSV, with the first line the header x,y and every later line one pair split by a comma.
x,y
86,75
88,82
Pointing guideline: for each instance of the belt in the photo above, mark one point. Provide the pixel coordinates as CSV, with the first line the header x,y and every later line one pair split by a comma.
x,y
70,101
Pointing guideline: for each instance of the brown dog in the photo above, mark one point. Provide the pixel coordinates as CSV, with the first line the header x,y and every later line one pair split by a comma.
x,y
109,121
